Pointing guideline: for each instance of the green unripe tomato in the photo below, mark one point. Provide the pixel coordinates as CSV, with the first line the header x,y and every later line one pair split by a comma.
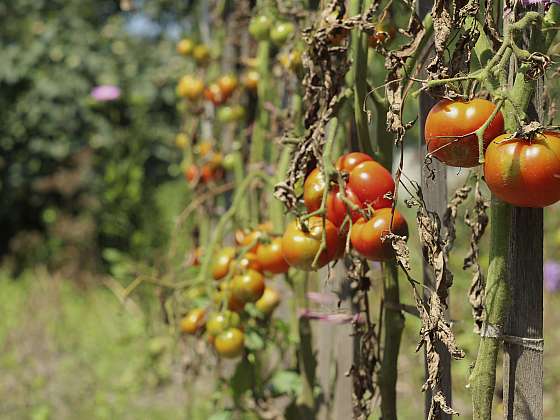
x,y
259,27
281,32
221,321
229,161
226,114
238,112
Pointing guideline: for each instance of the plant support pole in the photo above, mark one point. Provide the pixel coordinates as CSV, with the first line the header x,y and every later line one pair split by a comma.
x,y
435,195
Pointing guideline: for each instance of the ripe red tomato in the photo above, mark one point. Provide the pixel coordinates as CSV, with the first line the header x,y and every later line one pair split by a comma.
x,y
370,181
448,120
299,247
248,287
525,173
336,209
366,235
270,257
313,188
268,301
230,343
193,321
191,173
244,238
214,94
349,161
222,262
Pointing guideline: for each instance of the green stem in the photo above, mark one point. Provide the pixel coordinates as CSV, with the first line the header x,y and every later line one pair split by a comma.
x,y
483,376
393,325
203,274
258,139
497,294
358,77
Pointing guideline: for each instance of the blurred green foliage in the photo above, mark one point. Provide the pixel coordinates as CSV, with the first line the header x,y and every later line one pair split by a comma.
x,y
62,155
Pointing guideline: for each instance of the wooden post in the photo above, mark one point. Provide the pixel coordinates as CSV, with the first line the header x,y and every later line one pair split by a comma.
x,y
523,360
435,196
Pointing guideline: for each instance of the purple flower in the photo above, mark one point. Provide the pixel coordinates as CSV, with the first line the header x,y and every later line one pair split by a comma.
x,y
545,2
339,318
552,276
106,93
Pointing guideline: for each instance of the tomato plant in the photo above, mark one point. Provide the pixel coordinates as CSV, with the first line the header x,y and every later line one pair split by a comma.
x,y
524,172
337,209
193,321
190,87
222,262
371,183
366,235
270,257
230,343
313,188
248,286
281,32
259,27
302,241
218,322
450,130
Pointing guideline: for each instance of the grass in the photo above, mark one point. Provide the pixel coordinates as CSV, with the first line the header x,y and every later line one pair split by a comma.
x,y
67,353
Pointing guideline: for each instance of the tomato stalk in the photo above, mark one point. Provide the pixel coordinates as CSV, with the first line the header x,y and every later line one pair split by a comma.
x,y
358,76
497,293
219,230
258,139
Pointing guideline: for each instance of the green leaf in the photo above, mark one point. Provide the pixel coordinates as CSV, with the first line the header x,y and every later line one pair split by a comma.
x,y
242,379
285,382
253,341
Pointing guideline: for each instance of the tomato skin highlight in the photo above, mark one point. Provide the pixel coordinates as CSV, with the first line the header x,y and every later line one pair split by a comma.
x,y
524,173
227,84
270,257
350,160
299,247
370,181
366,235
222,262
248,287
220,321
193,321
230,343
190,87
313,189
448,120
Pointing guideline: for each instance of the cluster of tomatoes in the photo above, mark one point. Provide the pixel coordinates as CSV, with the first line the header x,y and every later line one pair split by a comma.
x,y
240,274
210,167
524,172
363,208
